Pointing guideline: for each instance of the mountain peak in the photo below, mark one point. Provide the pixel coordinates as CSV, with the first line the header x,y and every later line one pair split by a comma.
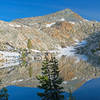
x,y
66,14
69,15
67,10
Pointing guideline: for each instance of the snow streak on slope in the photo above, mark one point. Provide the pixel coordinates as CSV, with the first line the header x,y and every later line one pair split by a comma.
x,y
13,58
14,25
62,19
71,51
9,59
80,44
49,25
10,64
68,51
71,22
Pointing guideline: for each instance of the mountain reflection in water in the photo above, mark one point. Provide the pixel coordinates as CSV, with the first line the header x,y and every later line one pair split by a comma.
x,y
88,91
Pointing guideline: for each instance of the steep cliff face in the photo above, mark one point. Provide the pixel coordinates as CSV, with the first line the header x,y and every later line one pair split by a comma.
x,y
60,29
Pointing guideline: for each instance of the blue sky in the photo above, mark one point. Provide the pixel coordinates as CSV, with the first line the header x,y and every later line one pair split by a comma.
x,y
12,9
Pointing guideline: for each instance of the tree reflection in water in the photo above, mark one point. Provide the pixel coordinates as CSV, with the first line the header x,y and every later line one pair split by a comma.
x,y
4,94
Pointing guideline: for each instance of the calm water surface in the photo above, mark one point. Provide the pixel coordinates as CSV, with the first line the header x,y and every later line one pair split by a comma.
x,y
88,91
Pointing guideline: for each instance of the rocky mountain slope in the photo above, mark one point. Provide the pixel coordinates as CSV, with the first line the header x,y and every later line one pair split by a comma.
x,y
61,29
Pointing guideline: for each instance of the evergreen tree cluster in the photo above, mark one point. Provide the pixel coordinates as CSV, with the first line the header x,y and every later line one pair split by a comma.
x,y
50,80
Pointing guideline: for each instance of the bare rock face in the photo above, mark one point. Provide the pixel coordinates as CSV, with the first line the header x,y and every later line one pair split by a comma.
x,y
47,32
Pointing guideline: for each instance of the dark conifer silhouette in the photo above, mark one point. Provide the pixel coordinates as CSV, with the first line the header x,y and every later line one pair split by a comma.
x,y
50,80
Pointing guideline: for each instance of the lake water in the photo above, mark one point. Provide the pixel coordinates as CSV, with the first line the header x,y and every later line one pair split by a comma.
x,y
22,93
88,91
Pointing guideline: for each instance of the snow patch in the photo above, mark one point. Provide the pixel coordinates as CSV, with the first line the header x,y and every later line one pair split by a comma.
x,y
14,25
53,51
80,44
49,25
17,25
10,59
68,51
62,19
71,22
6,54
37,51
10,64
74,78
11,25
83,43
81,22
64,82
76,41
17,81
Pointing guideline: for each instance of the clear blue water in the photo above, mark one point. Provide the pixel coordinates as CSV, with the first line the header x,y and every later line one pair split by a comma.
x,y
89,91
23,93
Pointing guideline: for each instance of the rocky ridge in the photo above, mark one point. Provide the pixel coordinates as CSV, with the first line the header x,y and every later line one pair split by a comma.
x,y
48,32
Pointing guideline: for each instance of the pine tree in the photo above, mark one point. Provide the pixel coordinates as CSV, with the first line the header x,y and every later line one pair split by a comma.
x,y
29,44
55,78
50,80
